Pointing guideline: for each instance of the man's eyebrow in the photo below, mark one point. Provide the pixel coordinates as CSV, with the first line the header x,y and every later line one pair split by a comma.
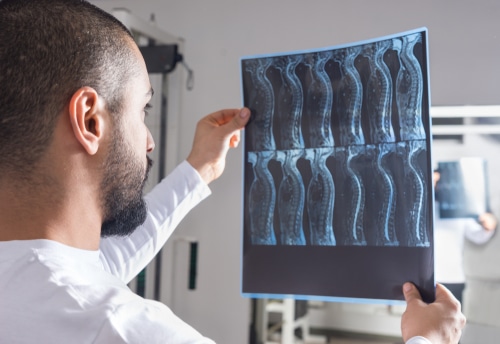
x,y
150,92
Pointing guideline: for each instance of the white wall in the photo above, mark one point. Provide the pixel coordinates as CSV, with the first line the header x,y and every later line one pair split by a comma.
x,y
464,55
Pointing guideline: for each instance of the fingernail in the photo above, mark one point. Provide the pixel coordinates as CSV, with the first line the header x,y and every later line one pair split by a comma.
x,y
407,287
244,113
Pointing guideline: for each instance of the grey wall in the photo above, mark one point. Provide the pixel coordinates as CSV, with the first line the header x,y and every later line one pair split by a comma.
x,y
464,54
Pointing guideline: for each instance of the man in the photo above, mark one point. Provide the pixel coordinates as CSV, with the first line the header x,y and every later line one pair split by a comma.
x,y
74,91
449,239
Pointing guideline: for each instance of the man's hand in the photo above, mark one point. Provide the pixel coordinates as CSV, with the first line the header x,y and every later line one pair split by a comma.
x,y
488,221
441,322
214,135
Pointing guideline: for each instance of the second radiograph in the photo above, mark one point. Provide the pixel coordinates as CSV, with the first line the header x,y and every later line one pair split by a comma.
x,y
336,148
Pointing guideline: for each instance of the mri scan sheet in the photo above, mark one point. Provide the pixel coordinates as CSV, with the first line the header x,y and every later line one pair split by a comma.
x,y
462,190
337,192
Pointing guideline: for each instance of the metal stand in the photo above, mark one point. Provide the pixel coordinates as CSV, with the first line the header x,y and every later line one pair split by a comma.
x,y
284,331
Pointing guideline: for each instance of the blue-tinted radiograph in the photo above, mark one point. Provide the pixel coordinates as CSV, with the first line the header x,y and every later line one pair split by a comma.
x,y
418,232
291,198
319,98
261,97
410,88
320,198
351,194
337,148
379,93
289,103
349,98
262,199
382,138
409,97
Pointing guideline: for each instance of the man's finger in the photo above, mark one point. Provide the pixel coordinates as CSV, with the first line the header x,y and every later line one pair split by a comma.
x,y
411,292
241,119
224,116
237,123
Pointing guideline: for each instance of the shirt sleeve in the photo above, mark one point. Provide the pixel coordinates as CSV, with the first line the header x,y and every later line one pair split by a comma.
x,y
147,321
475,233
167,204
418,340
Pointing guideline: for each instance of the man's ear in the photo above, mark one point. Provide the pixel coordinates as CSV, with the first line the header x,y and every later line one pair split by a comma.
x,y
86,115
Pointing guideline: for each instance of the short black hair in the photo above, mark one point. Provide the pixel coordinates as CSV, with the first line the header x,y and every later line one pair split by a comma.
x,y
48,50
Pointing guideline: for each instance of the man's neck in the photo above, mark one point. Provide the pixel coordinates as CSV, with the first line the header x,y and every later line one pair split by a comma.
x,y
43,213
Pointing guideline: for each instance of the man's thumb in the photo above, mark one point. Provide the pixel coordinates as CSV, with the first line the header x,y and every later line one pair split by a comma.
x,y
411,292
241,119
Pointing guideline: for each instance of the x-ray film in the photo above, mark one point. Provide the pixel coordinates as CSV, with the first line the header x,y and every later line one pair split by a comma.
x,y
337,172
462,189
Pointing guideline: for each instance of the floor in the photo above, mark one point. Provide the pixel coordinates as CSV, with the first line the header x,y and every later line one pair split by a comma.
x,y
360,341
340,337
342,341
343,338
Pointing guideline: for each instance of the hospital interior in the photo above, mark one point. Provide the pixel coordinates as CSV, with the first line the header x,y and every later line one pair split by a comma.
x,y
205,41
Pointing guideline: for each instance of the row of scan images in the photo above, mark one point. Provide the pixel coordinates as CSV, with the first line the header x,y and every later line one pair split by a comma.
x,y
367,94
361,195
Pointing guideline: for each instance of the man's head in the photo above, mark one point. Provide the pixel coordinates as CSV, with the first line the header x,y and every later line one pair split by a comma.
x,y
51,49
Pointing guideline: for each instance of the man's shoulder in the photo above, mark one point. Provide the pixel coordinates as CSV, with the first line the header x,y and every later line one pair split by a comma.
x,y
54,276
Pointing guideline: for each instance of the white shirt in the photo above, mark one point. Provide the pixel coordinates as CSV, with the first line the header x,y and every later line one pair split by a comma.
x,y
418,340
449,236
53,293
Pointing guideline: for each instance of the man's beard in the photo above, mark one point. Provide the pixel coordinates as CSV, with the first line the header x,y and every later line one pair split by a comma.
x,y
122,186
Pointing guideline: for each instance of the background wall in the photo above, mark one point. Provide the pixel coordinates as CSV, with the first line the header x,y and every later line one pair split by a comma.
x,y
464,50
